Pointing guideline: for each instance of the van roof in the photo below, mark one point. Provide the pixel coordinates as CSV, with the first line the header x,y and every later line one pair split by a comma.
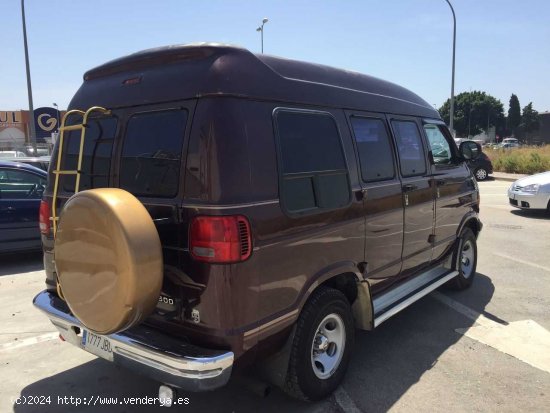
x,y
188,71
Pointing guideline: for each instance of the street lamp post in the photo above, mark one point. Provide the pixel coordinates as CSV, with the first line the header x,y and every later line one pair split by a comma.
x,y
57,108
451,123
261,30
29,87
470,120
488,125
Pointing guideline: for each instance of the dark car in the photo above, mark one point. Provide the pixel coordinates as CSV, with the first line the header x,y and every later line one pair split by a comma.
x,y
210,208
41,162
21,188
481,166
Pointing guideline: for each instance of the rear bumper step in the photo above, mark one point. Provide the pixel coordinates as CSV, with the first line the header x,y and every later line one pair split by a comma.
x,y
148,352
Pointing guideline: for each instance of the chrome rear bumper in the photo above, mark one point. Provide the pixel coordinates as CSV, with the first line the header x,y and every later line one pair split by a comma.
x,y
149,352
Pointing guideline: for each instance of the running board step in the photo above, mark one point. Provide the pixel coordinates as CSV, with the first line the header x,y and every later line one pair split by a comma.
x,y
399,298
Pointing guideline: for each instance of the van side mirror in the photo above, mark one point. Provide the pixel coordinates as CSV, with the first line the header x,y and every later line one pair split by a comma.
x,y
469,150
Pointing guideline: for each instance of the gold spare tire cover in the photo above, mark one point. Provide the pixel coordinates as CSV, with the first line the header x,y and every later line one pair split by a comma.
x,y
109,259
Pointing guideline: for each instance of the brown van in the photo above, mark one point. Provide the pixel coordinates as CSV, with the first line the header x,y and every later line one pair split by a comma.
x,y
208,208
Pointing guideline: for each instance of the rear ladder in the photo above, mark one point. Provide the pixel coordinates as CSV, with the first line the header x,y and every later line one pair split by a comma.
x,y
77,172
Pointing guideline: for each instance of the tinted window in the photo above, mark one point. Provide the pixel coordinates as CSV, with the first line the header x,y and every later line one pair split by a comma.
x,y
312,162
374,147
309,142
410,148
440,147
96,155
16,184
151,155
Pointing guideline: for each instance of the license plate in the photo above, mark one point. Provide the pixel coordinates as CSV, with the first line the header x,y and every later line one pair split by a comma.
x,y
98,345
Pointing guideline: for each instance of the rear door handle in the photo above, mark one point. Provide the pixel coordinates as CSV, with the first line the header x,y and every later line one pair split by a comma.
x,y
409,187
440,182
7,209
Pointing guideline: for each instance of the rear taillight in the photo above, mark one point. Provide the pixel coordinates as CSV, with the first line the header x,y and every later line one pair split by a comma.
x,y
220,239
44,218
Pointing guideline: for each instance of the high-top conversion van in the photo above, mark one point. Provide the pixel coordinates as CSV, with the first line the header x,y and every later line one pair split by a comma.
x,y
208,208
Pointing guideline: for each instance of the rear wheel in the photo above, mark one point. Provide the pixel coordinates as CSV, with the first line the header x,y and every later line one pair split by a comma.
x,y
466,260
481,174
322,346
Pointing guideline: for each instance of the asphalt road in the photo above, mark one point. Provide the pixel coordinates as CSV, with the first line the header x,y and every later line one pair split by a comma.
x,y
486,349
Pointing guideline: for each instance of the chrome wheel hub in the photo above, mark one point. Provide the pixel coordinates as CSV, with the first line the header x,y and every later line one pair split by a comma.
x,y
328,345
481,174
467,259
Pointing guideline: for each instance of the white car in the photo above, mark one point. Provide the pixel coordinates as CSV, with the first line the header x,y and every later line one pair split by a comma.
x,y
12,154
509,143
531,192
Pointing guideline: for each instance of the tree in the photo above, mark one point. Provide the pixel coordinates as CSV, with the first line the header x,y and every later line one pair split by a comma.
x,y
514,113
530,118
474,111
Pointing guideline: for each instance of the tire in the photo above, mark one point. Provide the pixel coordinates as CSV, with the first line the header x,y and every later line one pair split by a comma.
x,y
318,362
465,257
108,258
481,174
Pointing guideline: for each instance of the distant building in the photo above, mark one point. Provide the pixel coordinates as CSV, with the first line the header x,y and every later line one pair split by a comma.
x,y
542,136
15,127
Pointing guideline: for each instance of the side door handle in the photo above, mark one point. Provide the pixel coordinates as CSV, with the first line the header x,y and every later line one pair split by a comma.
x,y
360,194
440,182
409,187
8,209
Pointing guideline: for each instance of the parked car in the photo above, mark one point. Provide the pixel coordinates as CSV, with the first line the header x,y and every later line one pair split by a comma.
x,y
234,208
42,162
39,152
21,188
531,192
12,154
509,143
481,166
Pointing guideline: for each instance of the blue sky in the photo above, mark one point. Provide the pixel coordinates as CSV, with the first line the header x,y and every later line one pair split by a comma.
x,y
503,46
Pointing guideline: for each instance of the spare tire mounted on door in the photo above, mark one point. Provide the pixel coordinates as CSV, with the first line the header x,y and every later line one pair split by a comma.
x,y
109,259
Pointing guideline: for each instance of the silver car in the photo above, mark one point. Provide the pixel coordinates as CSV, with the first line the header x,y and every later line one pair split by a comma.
x,y
531,192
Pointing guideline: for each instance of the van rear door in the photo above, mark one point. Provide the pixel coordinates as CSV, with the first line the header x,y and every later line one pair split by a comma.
x,y
140,150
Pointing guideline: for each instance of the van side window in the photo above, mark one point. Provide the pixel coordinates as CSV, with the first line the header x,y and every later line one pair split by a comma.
x,y
374,147
410,148
96,153
312,163
151,155
439,145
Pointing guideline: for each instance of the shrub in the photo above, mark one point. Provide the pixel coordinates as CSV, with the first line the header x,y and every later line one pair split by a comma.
x,y
525,160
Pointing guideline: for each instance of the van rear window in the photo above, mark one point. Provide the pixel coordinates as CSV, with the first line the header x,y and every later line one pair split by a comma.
x,y
96,154
151,154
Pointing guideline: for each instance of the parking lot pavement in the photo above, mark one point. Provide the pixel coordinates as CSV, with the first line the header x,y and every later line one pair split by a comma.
x,y
449,352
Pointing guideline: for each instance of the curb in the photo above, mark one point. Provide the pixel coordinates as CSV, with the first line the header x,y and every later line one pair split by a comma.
x,y
506,179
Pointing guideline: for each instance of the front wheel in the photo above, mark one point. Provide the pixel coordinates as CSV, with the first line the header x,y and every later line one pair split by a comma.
x,y
465,259
322,346
481,174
